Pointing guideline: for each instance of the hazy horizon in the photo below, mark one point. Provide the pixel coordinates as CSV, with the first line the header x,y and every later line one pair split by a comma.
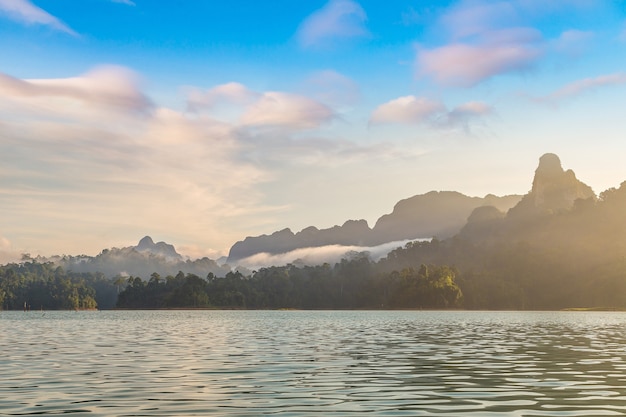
x,y
208,122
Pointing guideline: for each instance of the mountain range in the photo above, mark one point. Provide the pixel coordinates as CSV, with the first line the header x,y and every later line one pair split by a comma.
x,y
439,214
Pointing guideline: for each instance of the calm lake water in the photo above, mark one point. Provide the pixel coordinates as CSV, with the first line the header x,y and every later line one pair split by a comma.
x,y
293,363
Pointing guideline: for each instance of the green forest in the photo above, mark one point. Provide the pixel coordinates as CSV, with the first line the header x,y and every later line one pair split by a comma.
x,y
524,260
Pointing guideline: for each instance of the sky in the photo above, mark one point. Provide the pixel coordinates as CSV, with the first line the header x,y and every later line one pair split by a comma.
x,y
200,123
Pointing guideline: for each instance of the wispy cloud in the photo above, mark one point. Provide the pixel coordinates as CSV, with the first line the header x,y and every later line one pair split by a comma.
x,y
333,88
465,64
420,110
463,114
127,2
233,92
337,19
491,38
407,109
95,151
573,42
585,85
262,109
123,174
109,86
26,12
287,110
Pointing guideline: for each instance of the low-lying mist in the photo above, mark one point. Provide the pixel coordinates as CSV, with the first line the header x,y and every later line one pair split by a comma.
x,y
318,255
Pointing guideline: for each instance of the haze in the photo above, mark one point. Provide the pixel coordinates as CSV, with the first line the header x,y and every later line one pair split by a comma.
x,y
206,122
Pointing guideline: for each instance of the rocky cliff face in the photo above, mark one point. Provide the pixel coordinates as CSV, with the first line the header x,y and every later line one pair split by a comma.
x,y
553,190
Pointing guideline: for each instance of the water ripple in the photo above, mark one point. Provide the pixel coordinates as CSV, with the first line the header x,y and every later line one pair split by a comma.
x,y
292,363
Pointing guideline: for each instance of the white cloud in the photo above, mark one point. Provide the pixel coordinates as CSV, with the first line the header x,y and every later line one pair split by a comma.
x,y
232,92
106,86
464,65
582,86
286,110
492,38
337,19
118,174
81,157
26,12
254,109
407,109
420,110
127,2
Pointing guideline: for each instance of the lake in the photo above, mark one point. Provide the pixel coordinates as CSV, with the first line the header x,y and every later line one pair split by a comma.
x,y
294,363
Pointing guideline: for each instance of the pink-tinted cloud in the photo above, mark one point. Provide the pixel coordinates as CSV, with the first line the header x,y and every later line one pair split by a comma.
x,y
232,92
286,110
256,109
486,39
108,86
582,86
337,19
26,12
407,109
465,65
419,110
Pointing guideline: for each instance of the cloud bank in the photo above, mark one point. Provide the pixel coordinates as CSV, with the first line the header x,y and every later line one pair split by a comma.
x,y
94,151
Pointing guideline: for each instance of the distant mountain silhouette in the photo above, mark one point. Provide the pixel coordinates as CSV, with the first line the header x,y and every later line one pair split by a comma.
x,y
435,214
147,245
559,247
140,261
553,191
438,214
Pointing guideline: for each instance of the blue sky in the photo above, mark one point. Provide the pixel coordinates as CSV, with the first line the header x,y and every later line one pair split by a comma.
x,y
200,123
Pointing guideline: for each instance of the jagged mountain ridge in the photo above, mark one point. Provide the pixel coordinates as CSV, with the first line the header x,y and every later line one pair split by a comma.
x,y
437,213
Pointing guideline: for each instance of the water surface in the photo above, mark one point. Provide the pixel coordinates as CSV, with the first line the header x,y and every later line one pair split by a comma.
x,y
293,363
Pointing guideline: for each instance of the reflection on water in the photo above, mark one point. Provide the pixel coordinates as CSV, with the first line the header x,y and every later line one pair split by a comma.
x,y
292,363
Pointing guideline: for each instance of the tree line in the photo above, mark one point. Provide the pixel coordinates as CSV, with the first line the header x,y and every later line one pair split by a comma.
x,y
350,284
45,286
